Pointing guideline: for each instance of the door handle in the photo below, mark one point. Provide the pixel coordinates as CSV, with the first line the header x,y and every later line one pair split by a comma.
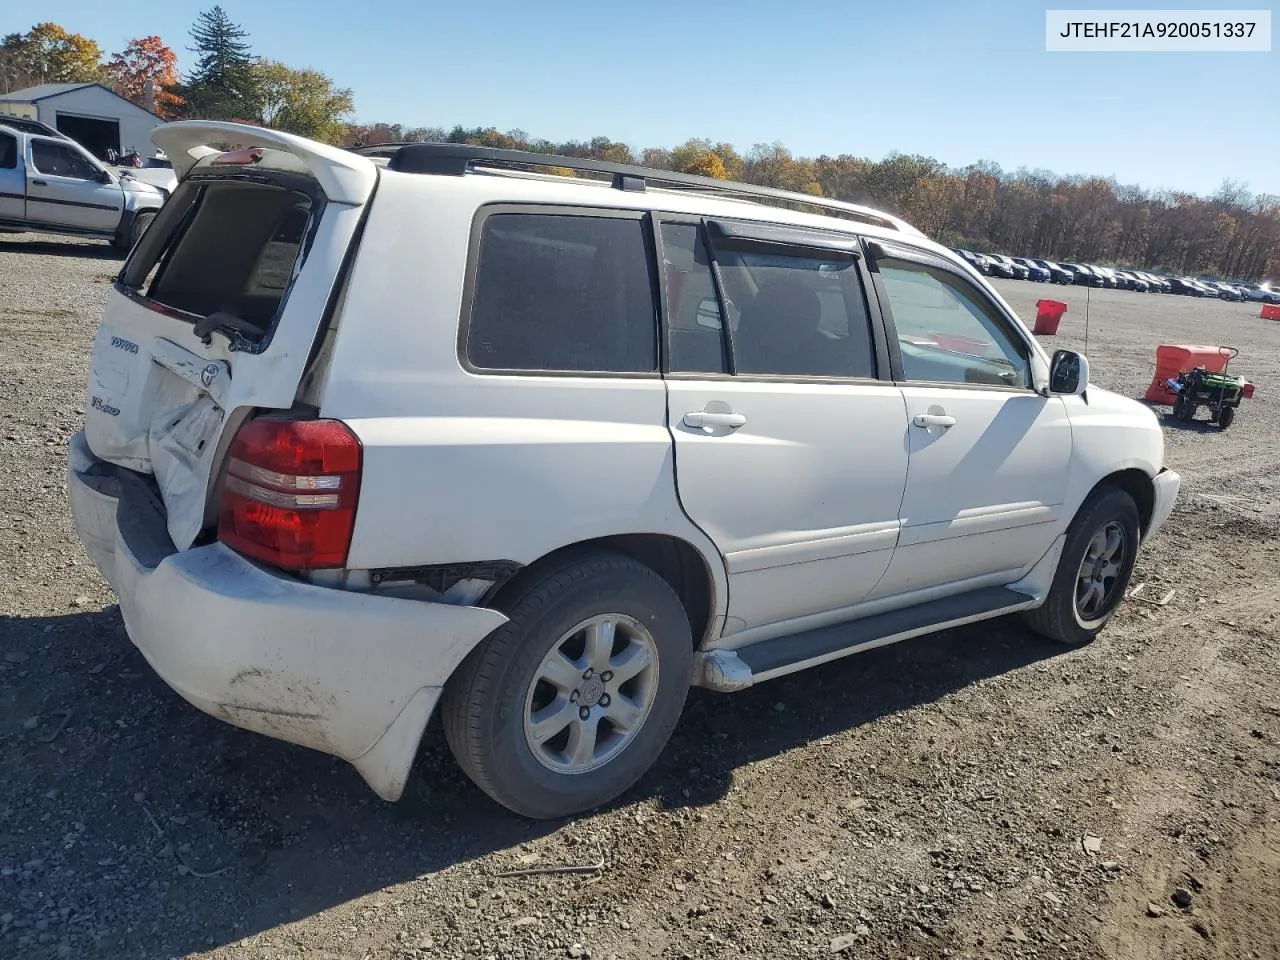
x,y
701,418
39,183
928,420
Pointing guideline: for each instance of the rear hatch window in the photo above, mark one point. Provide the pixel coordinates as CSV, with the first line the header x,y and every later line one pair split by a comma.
x,y
223,254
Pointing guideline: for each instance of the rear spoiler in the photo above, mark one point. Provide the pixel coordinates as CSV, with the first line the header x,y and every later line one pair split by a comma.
x,y
345,177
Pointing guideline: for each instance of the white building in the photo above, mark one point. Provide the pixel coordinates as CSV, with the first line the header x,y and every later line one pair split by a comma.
x,y
99,118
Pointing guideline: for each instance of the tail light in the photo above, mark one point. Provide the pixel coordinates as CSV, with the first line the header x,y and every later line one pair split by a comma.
x,y
289,498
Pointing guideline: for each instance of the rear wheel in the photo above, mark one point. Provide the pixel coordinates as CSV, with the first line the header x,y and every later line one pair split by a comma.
x,y
566,706
1094,570
1225,418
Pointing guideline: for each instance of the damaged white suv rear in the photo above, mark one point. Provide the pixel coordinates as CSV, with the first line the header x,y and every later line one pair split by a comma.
x,y
430,425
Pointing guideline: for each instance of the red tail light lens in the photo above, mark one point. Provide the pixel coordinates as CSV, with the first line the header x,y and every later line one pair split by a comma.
x,y
289,498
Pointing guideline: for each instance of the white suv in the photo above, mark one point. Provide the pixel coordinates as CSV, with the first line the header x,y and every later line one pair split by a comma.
x,y
369,431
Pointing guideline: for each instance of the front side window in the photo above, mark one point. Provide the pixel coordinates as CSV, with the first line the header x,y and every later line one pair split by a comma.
x,y
59,160
8,152
562,293
947,330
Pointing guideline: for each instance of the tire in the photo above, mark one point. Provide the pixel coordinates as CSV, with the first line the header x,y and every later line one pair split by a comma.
x,y
1226,417
141,221
1062,617
491,702
1179,408
1187,412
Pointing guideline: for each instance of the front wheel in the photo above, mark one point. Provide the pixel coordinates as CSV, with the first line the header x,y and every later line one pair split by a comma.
x,y
1094,570
565,706
128,239
1226,417
1187,412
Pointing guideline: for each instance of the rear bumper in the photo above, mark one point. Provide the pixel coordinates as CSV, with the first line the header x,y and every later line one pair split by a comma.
x,y
350,674
1166,484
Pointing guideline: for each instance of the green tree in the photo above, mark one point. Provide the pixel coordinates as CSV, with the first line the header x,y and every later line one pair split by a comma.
x,y
304,102
48,53
223,85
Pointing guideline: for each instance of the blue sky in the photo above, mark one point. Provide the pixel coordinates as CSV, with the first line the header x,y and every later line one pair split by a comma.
x,y
959,81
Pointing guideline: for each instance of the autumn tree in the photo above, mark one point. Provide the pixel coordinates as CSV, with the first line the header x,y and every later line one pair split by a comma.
x,y
304,102
147,61
48,53
707,159
222,85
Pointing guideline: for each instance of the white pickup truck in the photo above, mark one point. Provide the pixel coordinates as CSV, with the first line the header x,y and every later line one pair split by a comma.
x,y
53,185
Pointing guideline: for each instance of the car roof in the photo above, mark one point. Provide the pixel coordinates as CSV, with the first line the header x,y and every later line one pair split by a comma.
x,y
498,184
23,125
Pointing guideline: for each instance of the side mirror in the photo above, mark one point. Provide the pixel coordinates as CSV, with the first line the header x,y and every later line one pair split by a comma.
x,y
104,176
1068,373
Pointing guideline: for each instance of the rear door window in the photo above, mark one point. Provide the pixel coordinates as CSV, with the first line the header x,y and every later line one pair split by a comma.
x,y
695,340
224,246
562,292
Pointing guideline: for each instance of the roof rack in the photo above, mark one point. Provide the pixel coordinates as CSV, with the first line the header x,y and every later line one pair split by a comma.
x,y
457,159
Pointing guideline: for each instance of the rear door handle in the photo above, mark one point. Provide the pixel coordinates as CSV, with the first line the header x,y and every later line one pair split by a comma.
x,y
701,418
928,420
39,183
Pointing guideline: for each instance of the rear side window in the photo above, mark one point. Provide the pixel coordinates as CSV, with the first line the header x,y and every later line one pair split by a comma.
x,y
562,293
224,246
695,343
796,315
790,311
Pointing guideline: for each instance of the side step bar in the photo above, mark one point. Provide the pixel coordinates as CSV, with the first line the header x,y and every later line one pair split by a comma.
x,y
729,670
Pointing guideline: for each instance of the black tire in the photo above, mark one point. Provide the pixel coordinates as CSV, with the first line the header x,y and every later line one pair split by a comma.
x,y
1059,617
486,699
125,242
140,223
1187,411
1225,418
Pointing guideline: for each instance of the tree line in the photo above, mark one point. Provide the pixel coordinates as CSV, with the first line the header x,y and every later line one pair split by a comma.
x,y
1231,234
228,82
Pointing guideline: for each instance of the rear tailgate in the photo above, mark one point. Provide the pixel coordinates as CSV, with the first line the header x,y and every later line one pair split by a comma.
x,y
218,308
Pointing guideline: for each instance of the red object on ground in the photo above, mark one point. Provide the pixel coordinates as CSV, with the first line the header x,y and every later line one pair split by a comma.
x,y
1048,316
1175,358
1271,311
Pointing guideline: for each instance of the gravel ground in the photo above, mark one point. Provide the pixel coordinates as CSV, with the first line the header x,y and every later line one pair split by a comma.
x,y
977,793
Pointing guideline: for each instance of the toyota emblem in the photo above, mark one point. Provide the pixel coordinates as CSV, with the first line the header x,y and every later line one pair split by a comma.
x,y
209,374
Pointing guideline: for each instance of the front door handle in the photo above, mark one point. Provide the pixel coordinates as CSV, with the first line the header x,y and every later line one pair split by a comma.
x,y
39,183
701,418
928,420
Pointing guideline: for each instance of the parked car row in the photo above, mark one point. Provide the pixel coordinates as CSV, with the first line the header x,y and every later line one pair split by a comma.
x,y
1090,275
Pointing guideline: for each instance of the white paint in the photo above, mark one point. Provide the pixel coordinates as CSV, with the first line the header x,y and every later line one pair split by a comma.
x,y
345,177
328,669
99,103
811,504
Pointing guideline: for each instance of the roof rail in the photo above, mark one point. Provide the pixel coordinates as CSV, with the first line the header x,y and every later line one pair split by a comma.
x,y
457,159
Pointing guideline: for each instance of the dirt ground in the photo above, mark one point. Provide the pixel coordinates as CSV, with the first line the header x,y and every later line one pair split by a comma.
x,y
977,793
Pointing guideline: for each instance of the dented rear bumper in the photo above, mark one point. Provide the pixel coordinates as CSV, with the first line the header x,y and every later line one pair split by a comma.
x,y
350,674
